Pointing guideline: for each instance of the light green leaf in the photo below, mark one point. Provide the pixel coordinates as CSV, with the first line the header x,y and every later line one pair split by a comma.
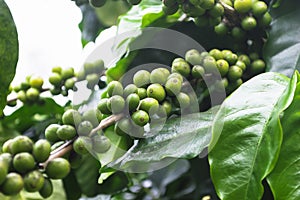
x,y
282,49
247,136
284,179
184,137
9,52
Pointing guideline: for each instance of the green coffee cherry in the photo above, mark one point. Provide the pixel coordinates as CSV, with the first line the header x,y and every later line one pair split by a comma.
x,y
221,29
92,80
168,107
241,65
94,116
234,85
103,106
3,170
69,84
170,10
159,75
66,132
12,185
217,10
67,73
193,57
55,79
198,71
238,33
123,126
244,58
212,21
25,86
196,11
231,58
142,92
32,94
216,53
265,20
6,158
101,144
223,67
221,85
95,67
156,91
132,101
130,89
56,145
140,117
116,104
41,150
84,128
82,145
259,8
51,132
169,3
81,75
23,162
150,105
114,88
71,117
134,2
176,75
33,181
55,91
209,64
21,95
57,69
21,144
242,6
257,66
207,4
36,82
173,86
182,68
234,73
182,100
47,189
6,148
58,168
97,3
249,23
141,78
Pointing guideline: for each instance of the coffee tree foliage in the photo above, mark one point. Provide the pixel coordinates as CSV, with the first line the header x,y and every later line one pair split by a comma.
x,y
211,114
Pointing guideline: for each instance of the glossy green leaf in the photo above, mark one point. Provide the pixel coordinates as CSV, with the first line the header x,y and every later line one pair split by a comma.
x,y
284,179
282,49
88,181
184,137
9,52
247,136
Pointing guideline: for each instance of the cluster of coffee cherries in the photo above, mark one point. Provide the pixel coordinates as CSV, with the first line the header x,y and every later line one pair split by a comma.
x,y
248,15
234,17
233,68
78,128
29,90
20,167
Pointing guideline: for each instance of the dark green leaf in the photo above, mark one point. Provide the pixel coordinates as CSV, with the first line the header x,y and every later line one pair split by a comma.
x,y
88,182
282,50
184,137
28,115
9,52
90,25
71,187
284,179
247,135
